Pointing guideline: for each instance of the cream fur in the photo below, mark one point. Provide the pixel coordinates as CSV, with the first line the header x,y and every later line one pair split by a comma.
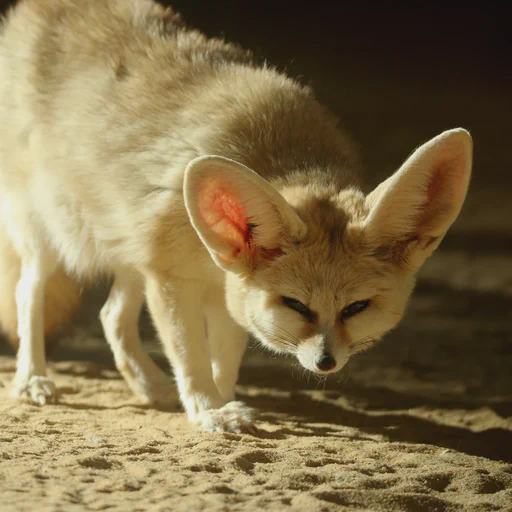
x,y
111,112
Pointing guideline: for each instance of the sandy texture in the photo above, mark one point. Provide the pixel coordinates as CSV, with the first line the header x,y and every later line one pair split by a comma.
x,y
423,422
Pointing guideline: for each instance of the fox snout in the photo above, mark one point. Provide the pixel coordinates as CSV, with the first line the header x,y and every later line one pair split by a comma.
x,y
319,355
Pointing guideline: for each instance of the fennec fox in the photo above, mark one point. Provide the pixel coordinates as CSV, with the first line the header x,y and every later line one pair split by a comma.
x,y
217,189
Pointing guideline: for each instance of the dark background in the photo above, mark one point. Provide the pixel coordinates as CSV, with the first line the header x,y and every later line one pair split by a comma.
x,y
415,40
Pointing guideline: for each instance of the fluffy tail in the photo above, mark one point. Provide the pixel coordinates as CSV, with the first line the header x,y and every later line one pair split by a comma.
x,y
62,298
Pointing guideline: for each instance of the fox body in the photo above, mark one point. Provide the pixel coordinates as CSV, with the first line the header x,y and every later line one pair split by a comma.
x,y
218,190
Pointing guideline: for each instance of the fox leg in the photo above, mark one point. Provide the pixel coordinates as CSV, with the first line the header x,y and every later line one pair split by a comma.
x,y
30,380
177,308
227,341
119,317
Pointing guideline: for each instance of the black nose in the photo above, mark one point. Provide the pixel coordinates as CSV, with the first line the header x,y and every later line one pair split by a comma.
x,y
326,363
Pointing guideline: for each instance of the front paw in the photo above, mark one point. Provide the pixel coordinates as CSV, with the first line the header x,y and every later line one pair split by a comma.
x,y
37,389
234,417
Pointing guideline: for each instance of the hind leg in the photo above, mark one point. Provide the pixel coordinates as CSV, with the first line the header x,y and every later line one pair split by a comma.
x,y
30,380
119,317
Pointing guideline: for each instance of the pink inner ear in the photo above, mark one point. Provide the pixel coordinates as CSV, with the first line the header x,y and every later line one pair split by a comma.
x,y
221,209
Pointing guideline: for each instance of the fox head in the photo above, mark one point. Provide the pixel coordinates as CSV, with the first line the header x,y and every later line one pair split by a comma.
x,y
319,273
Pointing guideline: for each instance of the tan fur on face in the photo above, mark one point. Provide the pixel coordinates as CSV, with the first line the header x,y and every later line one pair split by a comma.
x,y
333,266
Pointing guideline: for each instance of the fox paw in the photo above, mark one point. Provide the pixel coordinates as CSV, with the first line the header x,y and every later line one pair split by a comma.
x,y
39,390
234,417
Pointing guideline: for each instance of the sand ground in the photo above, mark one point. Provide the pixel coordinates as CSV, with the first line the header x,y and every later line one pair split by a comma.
x,y
423,422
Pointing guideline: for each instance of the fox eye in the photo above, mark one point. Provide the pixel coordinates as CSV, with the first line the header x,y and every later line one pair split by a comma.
x,y
354,308
298,306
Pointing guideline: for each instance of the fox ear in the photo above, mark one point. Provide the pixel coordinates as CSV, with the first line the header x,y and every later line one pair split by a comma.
x,y
411,211
240,218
